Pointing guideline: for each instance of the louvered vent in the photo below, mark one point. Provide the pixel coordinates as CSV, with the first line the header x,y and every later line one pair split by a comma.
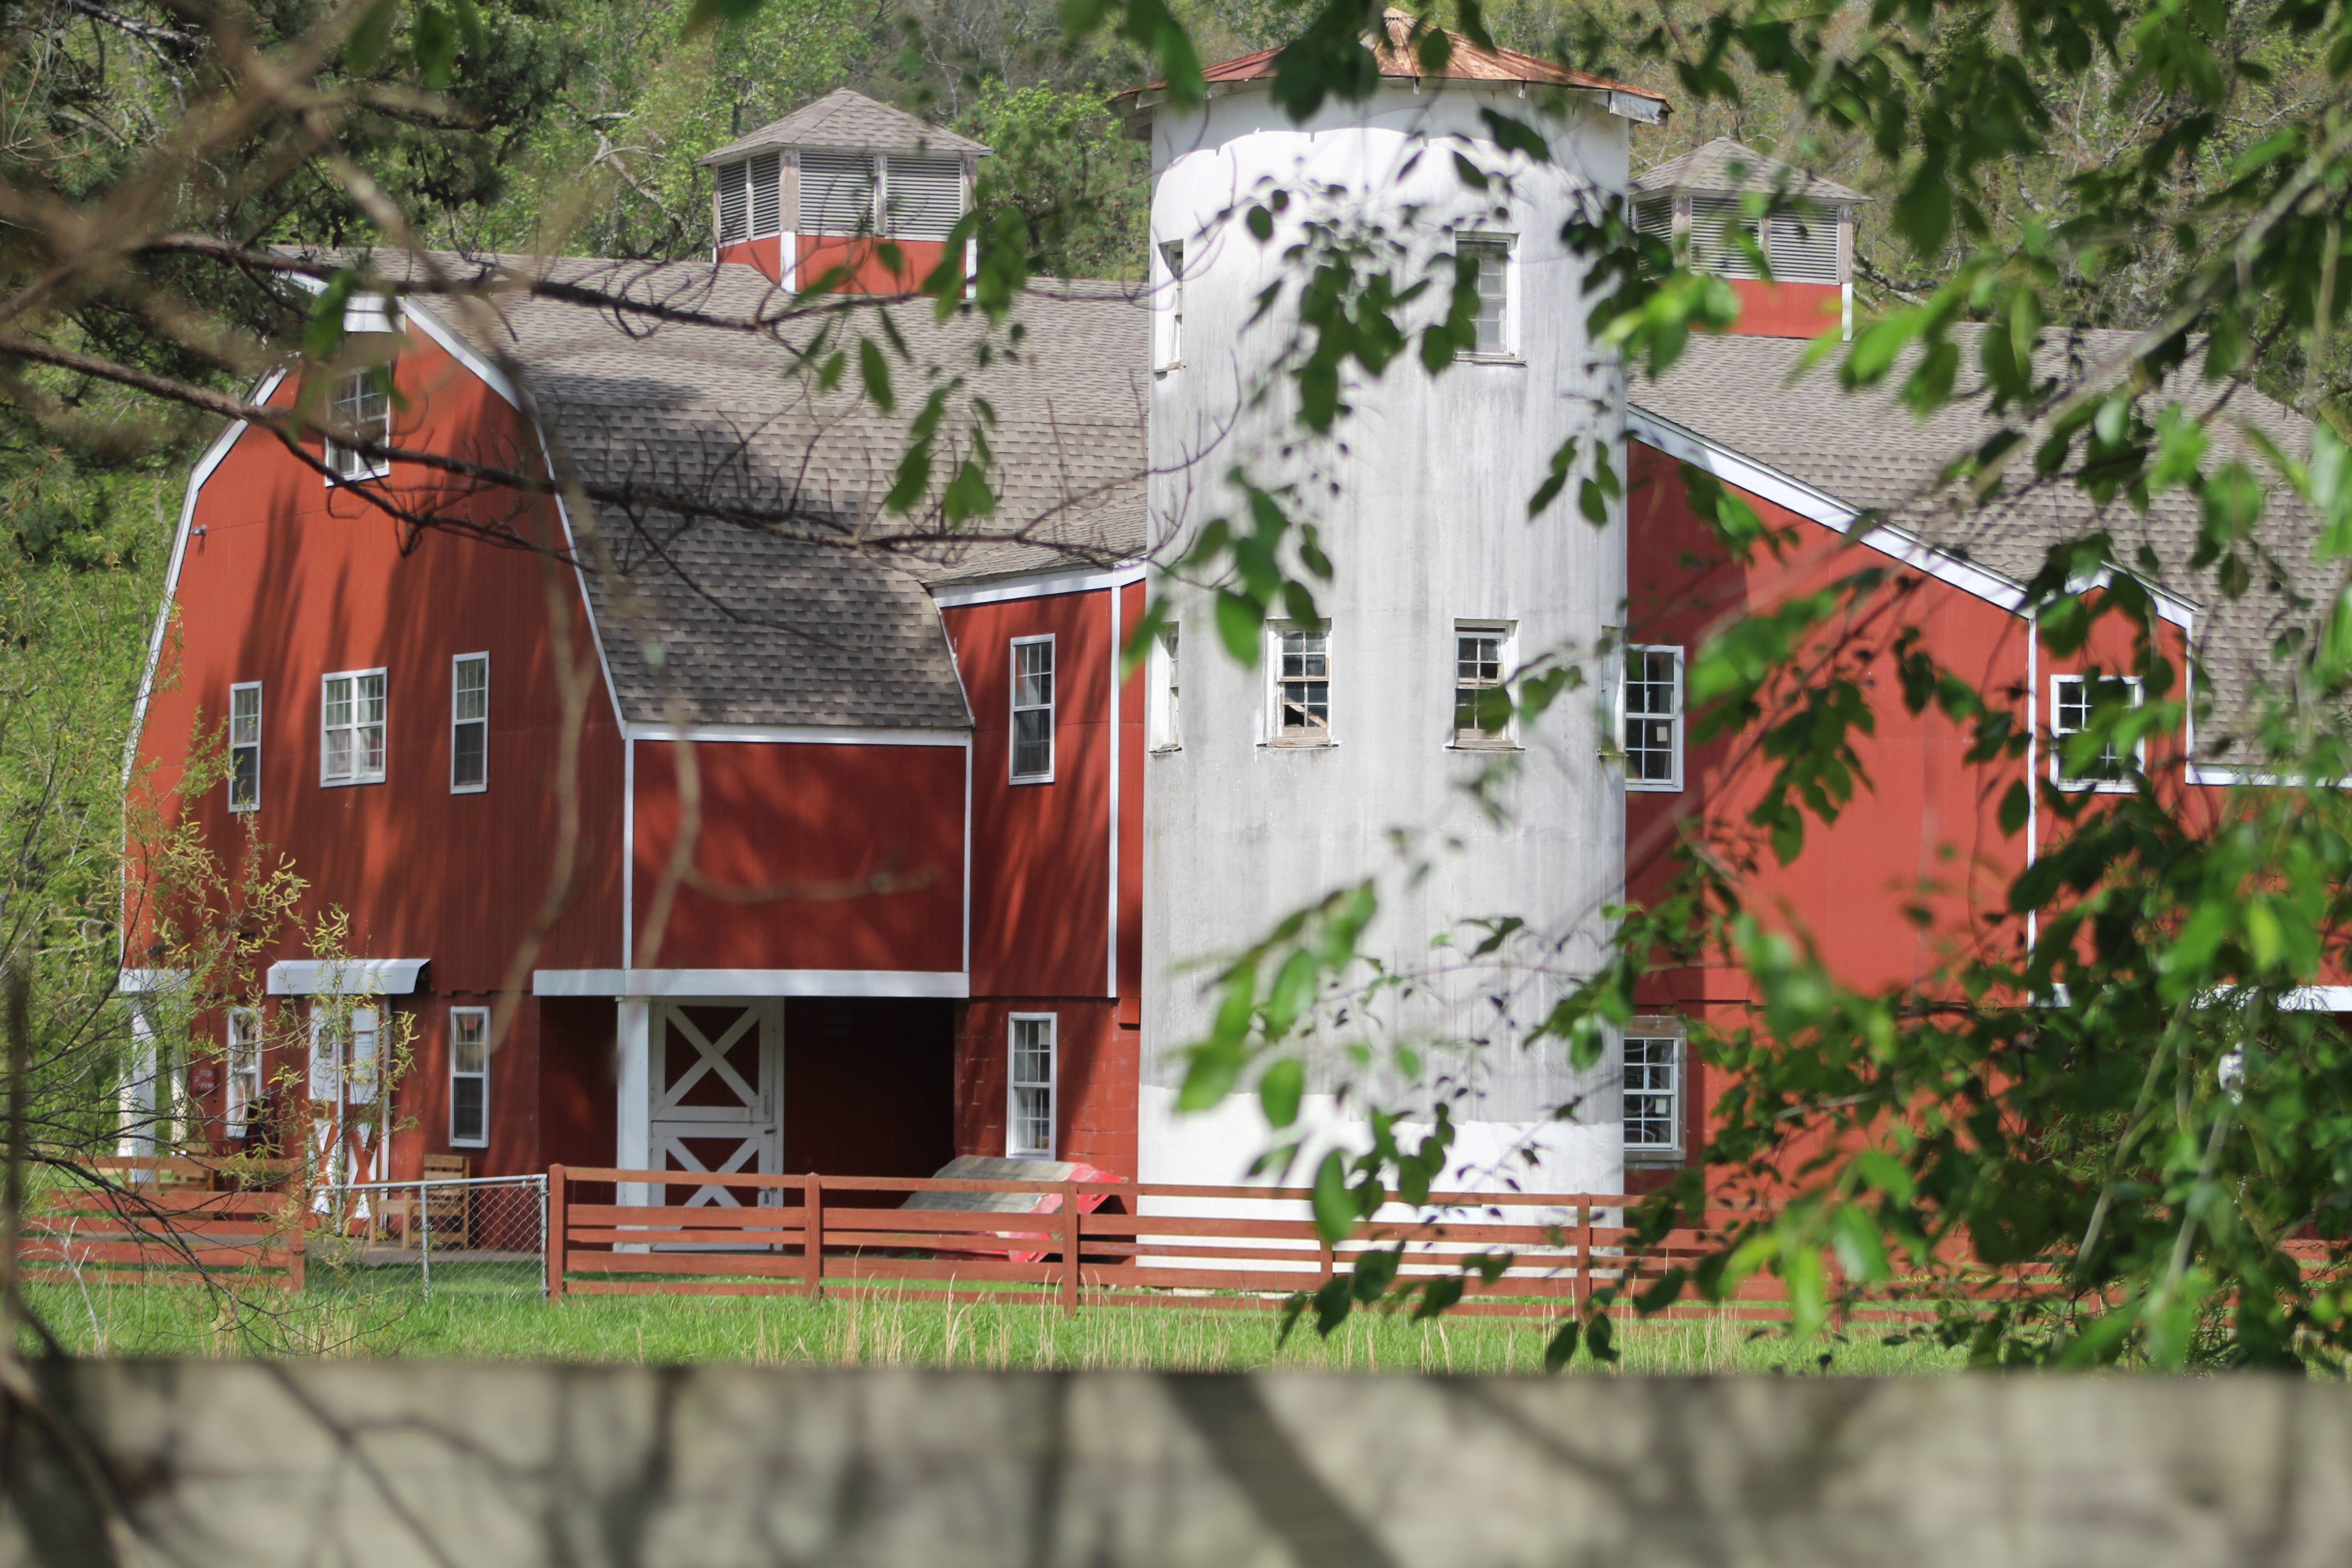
x,y
1805,247
1655,218
730,204
767,194
1716,225
925,197
837,193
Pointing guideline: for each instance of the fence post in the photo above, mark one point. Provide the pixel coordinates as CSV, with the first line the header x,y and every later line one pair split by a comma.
x,y
1583,1294
297,1225
1069,1248
813,1214
553,1231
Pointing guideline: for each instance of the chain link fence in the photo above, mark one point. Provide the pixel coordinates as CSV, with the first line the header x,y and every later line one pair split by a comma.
x,y
441,1234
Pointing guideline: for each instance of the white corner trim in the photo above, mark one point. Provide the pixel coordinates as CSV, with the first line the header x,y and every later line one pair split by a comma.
x,y
796,735
146,981
461,351
1035,586
212,459
948,985
1821,507
345,977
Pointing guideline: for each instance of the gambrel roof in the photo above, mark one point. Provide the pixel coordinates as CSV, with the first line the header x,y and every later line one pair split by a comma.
x,y
805,601
1866,452
848,121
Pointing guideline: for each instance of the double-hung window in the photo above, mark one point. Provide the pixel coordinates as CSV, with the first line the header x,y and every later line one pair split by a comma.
x,y
1302,686
1029,1103
1033,709
1652,731
244,1069
1166,689
1653,1103
469,1076
1482,703
351,728
245,746
2073,700
469,723
363,411
1492,262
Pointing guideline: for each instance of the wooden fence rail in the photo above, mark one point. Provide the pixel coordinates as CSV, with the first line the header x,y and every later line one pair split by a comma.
x,y
166,1221
1085,1242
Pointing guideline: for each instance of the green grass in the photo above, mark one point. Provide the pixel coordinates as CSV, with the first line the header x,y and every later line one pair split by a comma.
x,y
489,1320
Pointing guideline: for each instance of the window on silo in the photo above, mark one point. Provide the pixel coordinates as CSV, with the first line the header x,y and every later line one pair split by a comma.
x,y
1804,248
837,193
924,197
767,194
1492,259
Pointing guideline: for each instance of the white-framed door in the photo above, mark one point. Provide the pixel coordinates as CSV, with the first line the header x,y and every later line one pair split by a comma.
x,y
717,1082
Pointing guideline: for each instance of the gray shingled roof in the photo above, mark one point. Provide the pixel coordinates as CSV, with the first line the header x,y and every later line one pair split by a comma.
x,y
1725,167
1864,449
826,620
848,121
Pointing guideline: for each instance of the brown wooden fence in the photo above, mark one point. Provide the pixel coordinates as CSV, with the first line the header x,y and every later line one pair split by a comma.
x,y
1086,1242
165,1221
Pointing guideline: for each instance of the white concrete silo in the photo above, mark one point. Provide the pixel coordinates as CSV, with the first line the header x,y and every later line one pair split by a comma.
x,y
1422,500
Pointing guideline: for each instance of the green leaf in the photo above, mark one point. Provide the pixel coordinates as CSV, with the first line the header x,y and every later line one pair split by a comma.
x,y
1239,622
875,371
1335,1207
1279,1091
1561,1348
370,35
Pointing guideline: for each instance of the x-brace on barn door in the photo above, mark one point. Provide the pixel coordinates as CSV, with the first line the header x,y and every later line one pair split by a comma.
x,y
718,1090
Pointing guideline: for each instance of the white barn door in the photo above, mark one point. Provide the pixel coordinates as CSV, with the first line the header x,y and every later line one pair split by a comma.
x,y
717,1092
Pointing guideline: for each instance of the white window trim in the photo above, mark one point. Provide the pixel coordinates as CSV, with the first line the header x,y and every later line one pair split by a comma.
x,y
1508,633
484,1141
1509,243
455,661
357,777
2057,764
1657,1028
1013,711
1169,324
382,466
1163,693
1653,786
1270,716
1013,1149
238,1104
259,710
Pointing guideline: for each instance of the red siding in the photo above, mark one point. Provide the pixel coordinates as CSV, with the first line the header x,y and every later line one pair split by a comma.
x,y
1779,310
870,271
292,579
1923,833
813,825
767,255
1040,852
1097,1070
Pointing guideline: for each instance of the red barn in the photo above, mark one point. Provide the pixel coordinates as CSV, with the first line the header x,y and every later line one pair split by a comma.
x,y
821,843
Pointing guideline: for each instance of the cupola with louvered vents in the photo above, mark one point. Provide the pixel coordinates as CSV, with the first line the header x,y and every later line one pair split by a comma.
x,y
846,192
1784,237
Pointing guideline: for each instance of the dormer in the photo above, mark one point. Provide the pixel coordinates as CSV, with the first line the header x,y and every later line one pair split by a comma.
x,y
826,186
1804,230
